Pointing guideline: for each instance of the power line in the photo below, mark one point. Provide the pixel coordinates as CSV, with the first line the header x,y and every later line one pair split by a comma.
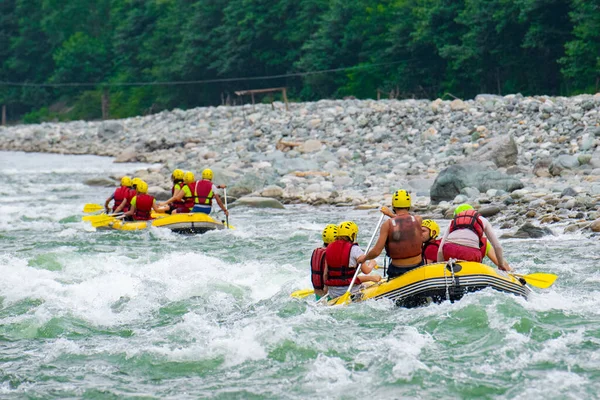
x,y
220,80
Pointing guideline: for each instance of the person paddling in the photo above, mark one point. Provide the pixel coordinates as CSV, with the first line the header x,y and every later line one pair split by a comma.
x,y
203,192
183,197
177,177
341,257
143,204
318,265
401,236
466,238
119,195
431,243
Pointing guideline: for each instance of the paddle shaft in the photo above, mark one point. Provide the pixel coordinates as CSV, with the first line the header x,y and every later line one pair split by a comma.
x,y
358,267
226,208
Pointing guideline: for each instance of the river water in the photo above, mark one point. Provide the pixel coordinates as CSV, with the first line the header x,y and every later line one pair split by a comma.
x,y
153,314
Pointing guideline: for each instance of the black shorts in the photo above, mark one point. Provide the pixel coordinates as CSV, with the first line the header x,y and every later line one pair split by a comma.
x,y
394,271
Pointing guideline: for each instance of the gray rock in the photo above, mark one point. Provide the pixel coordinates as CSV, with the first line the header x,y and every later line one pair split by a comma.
x,y
568,192
528,230
450,181
502,151
257,202
563,162
102,182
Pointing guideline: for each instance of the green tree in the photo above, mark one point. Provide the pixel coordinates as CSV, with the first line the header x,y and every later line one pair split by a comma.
x,y
581,64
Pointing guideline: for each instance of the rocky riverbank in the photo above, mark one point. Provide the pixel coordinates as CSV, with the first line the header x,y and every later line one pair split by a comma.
x,y
520,159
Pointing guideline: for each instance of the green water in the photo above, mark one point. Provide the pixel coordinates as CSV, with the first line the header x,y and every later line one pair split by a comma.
x,y
156,315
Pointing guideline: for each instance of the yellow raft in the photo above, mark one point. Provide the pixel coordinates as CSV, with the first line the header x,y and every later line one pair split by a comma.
x,y
435,283
181,223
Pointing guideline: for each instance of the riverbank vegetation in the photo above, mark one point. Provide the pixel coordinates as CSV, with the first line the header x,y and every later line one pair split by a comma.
x,y
61,60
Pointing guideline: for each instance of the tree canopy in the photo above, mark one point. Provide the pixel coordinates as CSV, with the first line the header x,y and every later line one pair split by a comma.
x,y
58,57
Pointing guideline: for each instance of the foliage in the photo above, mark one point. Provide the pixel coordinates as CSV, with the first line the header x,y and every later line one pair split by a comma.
x,y
407,48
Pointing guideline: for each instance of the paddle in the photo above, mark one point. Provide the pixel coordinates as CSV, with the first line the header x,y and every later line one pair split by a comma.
x,y
539,279
90,208
100,217
343,299
226,208
302,293
105,220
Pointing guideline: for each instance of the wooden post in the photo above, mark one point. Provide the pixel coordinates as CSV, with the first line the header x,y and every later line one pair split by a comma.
x,y
252,94
284,92
3,114
378,94
105,103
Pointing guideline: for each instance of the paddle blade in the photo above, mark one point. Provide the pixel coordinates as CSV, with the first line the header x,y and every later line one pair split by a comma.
x,y
539,279
89,208
300,294
104,221
342,300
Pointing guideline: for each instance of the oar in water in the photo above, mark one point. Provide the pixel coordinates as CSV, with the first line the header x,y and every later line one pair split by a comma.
x,y
539,279
90,208
104,221
100,217
302,293
345,298
226,208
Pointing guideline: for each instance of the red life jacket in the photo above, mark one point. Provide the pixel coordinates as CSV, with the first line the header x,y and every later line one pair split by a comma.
x,y
176,188
404,237
337,257
202,193
143,207
317,268
120,195
430,249
469,219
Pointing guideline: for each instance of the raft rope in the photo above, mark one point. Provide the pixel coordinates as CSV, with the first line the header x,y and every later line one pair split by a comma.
x,y
451,264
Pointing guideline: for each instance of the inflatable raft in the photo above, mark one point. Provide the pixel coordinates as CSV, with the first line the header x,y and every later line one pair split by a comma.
x,y
181,223
435,283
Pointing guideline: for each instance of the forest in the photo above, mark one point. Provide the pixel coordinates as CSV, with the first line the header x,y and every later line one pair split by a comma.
x,y
60,58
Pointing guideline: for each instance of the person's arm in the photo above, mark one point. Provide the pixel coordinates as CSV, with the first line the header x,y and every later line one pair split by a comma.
x,y
176,197
108,201
220,203
386,211
366,268
379,245
121,206
497,248
440,255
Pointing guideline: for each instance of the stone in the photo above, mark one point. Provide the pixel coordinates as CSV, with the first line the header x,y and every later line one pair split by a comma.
x,y
595,225
310,146
101,182
528,230
257,202
502,151
450,181
272,191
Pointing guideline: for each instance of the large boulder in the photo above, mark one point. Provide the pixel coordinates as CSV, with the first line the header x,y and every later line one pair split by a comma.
x,y
502,151
450,181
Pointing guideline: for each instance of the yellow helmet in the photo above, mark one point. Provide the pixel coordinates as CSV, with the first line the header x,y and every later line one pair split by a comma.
x,y
434,228
188,177
330,233
401,199
349,229
135,181
126,181
142,187
177,175
207,174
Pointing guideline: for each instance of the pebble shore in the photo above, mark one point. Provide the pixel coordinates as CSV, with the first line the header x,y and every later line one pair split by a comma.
x,y
531,164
